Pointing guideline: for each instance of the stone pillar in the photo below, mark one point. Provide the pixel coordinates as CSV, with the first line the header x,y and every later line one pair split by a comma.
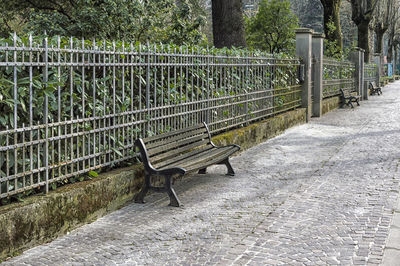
x,y
377,60
357,57
303,50
317,75
364,85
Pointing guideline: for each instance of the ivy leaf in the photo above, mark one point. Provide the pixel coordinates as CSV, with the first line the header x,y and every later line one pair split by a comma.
x,y
117,152
93,174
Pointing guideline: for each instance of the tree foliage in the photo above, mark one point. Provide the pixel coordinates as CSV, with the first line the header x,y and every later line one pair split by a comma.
x,y
331,46
272,29
136,20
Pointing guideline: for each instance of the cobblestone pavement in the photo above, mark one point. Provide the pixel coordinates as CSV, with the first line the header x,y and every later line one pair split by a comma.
x,y
319,194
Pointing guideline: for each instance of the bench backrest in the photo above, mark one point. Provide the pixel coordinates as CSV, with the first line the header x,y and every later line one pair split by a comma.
x,y
372,84
164,148
345,92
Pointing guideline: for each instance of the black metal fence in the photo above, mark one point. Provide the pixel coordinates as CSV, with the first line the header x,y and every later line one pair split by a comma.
x,y
337,75
69,107
370,72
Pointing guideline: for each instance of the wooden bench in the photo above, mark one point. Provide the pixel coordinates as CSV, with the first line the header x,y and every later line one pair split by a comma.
x,y
348,98
374,88
177,153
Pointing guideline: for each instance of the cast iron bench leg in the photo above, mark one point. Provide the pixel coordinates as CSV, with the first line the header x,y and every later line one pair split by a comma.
x,y
229,166
139,198
173,199
353,99
349,104
203,171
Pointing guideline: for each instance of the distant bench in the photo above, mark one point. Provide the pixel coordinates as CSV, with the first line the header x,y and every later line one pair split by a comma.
x,y
177,153
348,97
374,88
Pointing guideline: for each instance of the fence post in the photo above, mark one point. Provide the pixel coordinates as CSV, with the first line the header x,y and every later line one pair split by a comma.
x,y
148,69
355,57
46,110
318,56
363,83
208,116
303,50
377,59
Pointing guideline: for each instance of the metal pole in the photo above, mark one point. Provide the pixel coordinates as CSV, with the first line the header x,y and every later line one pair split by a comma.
x,y
46,108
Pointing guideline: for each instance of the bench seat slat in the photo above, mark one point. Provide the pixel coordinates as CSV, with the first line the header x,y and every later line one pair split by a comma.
x,y
178,151
172,133
220,154
193,158
205,156
209,161
201,160
162,163
178,144
173,139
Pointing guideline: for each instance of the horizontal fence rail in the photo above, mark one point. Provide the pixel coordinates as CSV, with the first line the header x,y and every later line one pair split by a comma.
x,y
71,107
337,75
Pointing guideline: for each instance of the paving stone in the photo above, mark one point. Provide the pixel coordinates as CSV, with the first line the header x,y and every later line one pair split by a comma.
x,y
322,193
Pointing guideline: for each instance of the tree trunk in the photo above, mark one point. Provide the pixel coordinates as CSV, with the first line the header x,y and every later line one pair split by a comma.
x,y
379,41
332,15
390,54
228,26
371,42
361,14
363,37
379,45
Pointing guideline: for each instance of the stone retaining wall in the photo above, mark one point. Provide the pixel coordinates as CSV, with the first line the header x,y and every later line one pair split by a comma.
x,y
330,104
40,219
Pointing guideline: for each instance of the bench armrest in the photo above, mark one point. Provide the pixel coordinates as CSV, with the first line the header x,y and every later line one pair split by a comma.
x,y
144,156
171,171
215,146
229,145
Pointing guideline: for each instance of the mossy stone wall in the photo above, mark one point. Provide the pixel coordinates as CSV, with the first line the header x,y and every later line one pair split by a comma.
x,y
256,133
40,219
330,104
